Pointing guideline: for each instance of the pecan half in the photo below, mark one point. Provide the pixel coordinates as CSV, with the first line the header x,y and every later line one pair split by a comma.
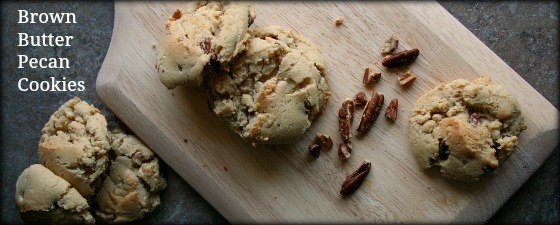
x,y
391,111
369,76
176,15
315,150
474,118
360,99
389,46
354,180
345,117
324,140
371,112
406,78
401,58
344,150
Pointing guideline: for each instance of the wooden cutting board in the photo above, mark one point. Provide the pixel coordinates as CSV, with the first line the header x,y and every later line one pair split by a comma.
x,y
284,183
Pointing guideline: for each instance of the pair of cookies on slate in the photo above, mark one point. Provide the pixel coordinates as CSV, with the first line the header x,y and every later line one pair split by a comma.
x,y
268,83
74,153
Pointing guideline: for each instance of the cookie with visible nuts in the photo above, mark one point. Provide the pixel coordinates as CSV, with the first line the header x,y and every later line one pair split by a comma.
x,y
274,89
45,198
74,145
200,36
466,128
132,188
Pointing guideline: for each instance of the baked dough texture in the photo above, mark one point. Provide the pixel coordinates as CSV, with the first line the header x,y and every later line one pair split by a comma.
x,y
274,89
202,34
74,145
132,188
465,128
44,198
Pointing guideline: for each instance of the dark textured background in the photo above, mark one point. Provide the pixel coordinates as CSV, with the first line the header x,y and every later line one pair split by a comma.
x,y
523,34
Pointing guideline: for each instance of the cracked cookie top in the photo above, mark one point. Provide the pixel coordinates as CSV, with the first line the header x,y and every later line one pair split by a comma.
x,y
199,36
132,188
273,89
74,145
467,128
44,198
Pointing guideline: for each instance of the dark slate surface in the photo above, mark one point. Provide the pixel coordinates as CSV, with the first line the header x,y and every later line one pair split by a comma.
x,y
523,34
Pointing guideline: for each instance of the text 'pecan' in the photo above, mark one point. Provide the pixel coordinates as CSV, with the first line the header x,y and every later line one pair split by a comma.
x,y
345,117
371,112
354,180
401,58
391,111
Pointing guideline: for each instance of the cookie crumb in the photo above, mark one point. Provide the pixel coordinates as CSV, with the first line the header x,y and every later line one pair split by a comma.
x,y
338,21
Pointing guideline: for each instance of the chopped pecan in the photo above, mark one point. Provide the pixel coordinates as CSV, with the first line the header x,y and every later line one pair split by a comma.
x,y
315,150
338,21
401,58
360,99
206,45
371,112
176,15
391,111
344,150
369,76
345,117
474,118
390,46
406,78
354,180
324,140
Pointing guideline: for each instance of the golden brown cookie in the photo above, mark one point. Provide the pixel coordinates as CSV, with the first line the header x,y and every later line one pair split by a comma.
x,y
132,188
44,198
202,34
467,128
274,89
74,145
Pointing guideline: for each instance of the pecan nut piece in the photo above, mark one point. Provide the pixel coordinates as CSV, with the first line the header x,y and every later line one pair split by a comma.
x,y
401,58
371,112
345,118
406,78
390,46
344,150
354,180
176,15
370,75
391,111
315,150
360,99
324,140
474,118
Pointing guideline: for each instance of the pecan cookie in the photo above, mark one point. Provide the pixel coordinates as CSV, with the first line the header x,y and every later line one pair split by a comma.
x,y
467,128
44,198
200,35
74,145
274,88
132,188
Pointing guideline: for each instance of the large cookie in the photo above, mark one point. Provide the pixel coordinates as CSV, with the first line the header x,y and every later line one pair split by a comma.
x,y
274,88
201,35
465,128
132,188
44,198
74,145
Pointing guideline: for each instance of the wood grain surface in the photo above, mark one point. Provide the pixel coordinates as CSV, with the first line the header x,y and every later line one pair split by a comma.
x,y
284,183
